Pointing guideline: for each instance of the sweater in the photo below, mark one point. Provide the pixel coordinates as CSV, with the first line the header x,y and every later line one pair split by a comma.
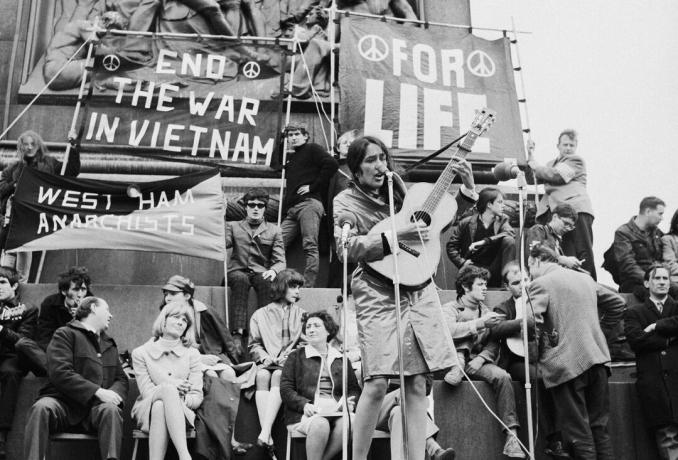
x,y
309,165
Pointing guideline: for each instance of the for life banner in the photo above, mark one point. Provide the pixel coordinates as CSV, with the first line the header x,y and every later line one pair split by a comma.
x,y
194,99
417,89
180,216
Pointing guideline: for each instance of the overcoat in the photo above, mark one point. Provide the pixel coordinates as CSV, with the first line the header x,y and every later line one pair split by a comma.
x,y
656,359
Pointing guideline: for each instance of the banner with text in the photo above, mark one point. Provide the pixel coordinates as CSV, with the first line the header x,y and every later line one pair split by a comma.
x,y
180,216
190,100
417,89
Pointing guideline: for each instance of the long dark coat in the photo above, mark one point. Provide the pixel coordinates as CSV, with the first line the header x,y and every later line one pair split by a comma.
x,y
656,359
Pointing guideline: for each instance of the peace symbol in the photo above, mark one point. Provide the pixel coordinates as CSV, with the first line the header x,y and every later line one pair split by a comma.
x,y
251,69
480,64
373,48
111,62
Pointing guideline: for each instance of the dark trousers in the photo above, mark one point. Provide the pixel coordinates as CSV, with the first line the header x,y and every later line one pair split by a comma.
x,y
13,367
544,401
583,410
495,257
49,415
579,242
240,282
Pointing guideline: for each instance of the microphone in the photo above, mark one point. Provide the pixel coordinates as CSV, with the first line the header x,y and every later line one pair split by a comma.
x,y
385,171
346,222
506,171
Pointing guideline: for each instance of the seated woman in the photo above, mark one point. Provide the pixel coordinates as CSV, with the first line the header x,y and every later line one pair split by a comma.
x,y
218,354
311,388
275,331
169,377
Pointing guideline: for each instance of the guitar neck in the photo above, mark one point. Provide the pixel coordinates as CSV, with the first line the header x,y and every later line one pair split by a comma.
x,y
447,176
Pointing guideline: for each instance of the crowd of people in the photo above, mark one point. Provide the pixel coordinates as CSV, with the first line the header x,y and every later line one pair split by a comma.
x,y
291,360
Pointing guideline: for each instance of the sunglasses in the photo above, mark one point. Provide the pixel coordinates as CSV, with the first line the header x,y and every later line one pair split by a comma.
x,y
256,205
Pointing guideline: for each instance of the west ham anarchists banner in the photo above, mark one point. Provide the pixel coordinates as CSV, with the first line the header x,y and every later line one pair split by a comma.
x,y
181,216
417,88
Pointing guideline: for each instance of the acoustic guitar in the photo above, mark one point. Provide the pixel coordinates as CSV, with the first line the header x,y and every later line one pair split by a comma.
x,y
431,204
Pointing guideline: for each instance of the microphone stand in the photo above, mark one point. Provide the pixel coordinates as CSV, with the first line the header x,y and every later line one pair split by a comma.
x,y
395,249
523,305
344,359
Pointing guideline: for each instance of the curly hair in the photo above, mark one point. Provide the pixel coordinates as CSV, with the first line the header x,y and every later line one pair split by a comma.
x,y
467,275
330,325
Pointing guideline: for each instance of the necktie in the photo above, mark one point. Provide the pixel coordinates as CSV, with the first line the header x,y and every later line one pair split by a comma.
x,y
660,307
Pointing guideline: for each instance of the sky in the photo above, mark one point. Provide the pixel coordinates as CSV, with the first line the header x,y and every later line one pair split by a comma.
x,y
609,69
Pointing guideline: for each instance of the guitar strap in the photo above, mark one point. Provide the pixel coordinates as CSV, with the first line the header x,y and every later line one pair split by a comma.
x,y
434,154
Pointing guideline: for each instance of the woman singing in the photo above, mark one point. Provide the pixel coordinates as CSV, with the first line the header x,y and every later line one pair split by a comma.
x,y
427,346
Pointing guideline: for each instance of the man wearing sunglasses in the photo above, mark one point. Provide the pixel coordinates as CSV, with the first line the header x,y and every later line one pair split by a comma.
x,y
563,220
258,256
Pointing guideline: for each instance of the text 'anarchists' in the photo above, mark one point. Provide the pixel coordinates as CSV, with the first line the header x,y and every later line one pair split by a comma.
x,y
151,212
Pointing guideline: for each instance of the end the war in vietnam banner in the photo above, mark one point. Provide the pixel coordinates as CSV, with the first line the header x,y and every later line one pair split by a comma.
x,y
180,216
190,100
417,89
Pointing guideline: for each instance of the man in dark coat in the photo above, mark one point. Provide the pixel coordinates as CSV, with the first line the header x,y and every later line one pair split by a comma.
x,y
57,310
17,357
651,330
87,385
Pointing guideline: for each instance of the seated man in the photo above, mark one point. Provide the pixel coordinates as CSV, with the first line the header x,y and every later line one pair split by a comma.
x,y
652,329
17,348
563,220
469,321
87,385
258,256
637,246
484,238
512,355
309,170
58,309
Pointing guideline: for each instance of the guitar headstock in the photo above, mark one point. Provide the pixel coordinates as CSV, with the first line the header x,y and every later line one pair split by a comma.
x,y
482,121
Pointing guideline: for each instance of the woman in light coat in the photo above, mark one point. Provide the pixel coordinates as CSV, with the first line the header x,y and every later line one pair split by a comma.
x,y
169,377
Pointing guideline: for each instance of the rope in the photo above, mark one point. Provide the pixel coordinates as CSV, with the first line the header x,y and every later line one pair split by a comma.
x,y
30,104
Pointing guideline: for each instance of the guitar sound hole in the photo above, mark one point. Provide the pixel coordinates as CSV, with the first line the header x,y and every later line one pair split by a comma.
x,y
421,215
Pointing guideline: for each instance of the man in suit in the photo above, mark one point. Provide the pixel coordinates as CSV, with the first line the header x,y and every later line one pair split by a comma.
x,y
564,181
651,330
87,386
573,355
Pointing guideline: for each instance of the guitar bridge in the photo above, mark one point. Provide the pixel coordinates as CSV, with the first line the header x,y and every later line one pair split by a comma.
x,y
408,249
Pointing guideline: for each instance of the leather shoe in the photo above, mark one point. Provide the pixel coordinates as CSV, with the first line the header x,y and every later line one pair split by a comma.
x,y
444,454
554,449
269,448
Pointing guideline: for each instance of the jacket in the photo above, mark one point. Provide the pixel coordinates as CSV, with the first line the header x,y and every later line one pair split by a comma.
x,y
10,175
301,375
78,364
468,336
213,336
564,181
266,332
53,314
635,251
258,250
656,359
566,306
670,254
464,234
16,327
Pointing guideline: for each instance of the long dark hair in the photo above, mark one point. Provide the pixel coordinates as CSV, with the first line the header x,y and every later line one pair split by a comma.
x,y
356,155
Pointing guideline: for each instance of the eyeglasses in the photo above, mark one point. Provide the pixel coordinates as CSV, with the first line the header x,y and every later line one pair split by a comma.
x,y
568,224
256,205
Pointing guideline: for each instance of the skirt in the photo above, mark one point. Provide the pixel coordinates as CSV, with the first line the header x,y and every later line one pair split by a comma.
x,y
427,344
